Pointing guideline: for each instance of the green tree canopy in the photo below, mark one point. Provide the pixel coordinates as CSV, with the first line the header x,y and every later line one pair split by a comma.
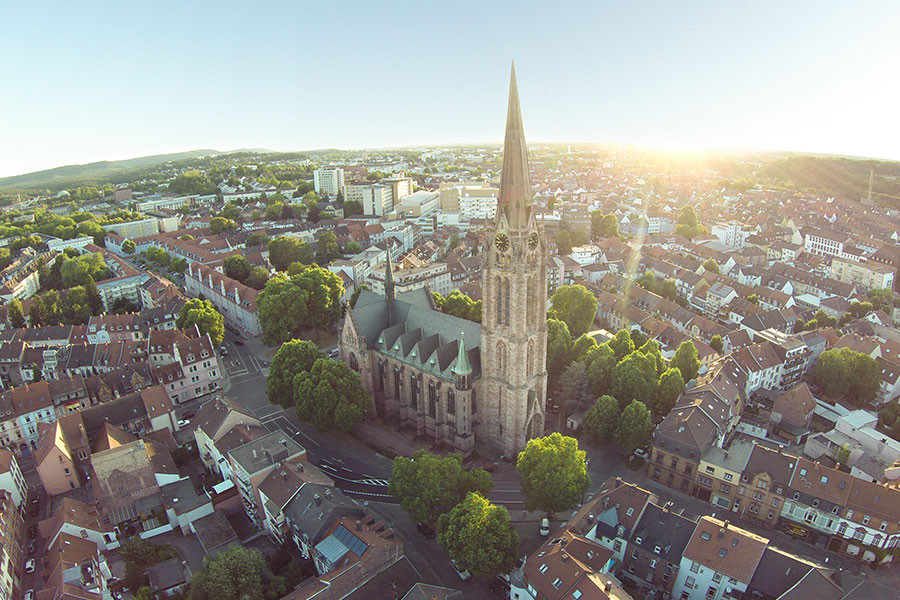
x,y
564,242
576,387
205,316
844,373
609,227
257,278
129,247
294,357
582,346
711,265
352,207
330,396
285,250
881,298
635,425
600,362
219,225
352,247
77,271
237,573
553,473
634,378
479,537
257,239
717,344
308,299
139,555
622,345
671,385
237,267
327,248
602,419
576,305
686,361
559,348
580,237
427,485
15,315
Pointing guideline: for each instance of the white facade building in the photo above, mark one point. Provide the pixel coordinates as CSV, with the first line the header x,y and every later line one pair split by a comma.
x,y
329,180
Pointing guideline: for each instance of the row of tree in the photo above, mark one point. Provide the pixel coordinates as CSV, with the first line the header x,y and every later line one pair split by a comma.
x,y
324,392
459,305
238,267
306,297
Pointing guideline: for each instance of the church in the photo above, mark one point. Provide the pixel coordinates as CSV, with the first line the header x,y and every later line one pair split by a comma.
x,y
455,382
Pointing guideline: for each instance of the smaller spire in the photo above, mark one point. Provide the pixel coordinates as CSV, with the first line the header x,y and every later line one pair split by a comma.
x,y
462,366
388,275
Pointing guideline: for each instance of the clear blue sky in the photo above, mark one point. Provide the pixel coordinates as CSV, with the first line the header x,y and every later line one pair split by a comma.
x,y
86,81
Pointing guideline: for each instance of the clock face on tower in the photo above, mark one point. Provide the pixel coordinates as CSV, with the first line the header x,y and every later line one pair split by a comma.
x,y
502,242
533,241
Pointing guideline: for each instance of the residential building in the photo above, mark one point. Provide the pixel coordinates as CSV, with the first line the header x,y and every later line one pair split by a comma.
x,y
62,455
135,229
11,479
215,419
400,187
312,509
233,299
280,487
865,275
12,534
329,180
375,198
435,277
718,562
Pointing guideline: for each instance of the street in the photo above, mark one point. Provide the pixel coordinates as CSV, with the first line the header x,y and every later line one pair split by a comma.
x,y
362,473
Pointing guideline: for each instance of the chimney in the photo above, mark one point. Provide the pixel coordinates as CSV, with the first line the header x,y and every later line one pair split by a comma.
x,y
318,500
721,533
359,525
725,526
254,453
564,556
618,482
607,586
328,492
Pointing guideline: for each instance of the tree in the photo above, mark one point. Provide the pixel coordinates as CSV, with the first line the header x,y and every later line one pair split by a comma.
x,y
559,348
843,456
711,265
327,248
576,387
352,247
861,309
237,267
753,299
219,225
355,295
610,226
564,242
552,473
94,299
129,247
582,346
596,223
352,207
843,373
205,316
651,350
283,251
479,537
330,396
671,385
638,337
717,344
37,315
308,299
428,485
140,554
685,360
634,378
622,345
236,573
601,419
576,306
600,362
15,315
688,225
77,271
257,239
634,426
882,298
580,237
294,357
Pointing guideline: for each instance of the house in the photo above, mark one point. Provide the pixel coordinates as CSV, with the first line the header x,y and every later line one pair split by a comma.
x,y
168,577
216,418
12,535
655,547
11,479
718,562
311,510
183,504
793,412
76,518
62,455
280,487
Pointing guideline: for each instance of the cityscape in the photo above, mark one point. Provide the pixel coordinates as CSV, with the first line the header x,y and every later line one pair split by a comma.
x,y
543,370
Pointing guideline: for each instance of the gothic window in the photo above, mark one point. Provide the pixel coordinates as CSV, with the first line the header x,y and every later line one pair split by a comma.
x,y
354,364
506,300
498,285
414,392
501,359
451,403
432,400
474,409
529,360
397,383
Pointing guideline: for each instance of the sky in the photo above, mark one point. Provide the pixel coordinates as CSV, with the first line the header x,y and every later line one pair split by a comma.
x,y
88,81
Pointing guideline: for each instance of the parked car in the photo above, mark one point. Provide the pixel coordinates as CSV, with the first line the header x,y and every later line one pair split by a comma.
x,y
238,343
641,453
184,423
462,574
333,353
223,350
29,565
545,527
425,530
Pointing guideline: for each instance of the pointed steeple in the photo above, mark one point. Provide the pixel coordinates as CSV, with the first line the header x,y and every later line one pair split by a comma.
x,y
388,275
515,189
462,366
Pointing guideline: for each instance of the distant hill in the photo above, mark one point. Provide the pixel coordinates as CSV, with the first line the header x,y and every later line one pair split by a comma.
x,y
98,172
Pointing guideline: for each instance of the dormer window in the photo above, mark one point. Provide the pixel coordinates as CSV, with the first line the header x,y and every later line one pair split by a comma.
x,y
543,568
638,540
657,549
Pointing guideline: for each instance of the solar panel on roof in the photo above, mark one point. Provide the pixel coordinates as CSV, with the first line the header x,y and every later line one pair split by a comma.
x,y
353,543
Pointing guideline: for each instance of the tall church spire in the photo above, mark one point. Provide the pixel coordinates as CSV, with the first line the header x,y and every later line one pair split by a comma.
x,y
388,275
515,189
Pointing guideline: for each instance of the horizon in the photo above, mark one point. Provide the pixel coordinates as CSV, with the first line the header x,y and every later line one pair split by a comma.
x,y
110,82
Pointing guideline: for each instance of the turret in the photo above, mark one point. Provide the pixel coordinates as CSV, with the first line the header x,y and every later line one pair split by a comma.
x,y
462,369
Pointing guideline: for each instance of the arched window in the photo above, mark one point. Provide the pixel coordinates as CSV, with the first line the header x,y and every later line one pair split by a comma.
x,y
529,358
474,408
498,285
451,402
354,364
432,400
506,300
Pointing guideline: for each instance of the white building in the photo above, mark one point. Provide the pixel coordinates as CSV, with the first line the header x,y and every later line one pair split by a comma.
x,y
419,204
730,234
76,243
329,180
375,199
135,229
436,276
11,479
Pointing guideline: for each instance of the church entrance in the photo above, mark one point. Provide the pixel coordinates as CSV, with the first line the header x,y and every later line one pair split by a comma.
x,y
535,427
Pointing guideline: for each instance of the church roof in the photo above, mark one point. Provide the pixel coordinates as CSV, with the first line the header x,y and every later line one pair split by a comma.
x,y
413,331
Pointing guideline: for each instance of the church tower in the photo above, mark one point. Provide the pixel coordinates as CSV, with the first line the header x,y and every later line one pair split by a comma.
x,y
514,315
